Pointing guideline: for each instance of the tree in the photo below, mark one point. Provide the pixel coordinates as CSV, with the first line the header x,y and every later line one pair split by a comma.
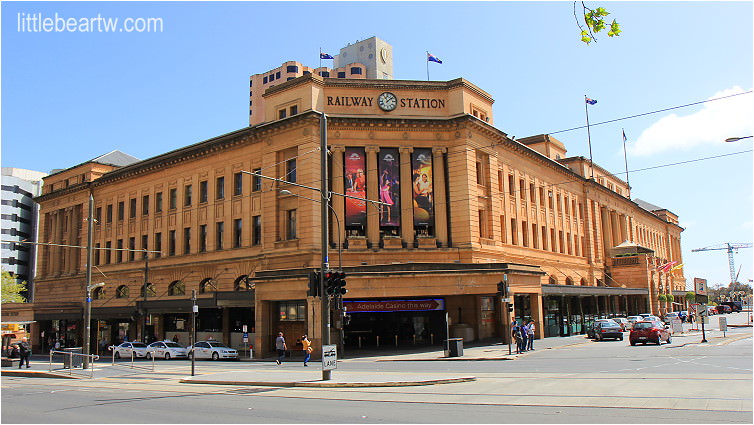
x,y
12,289
594,21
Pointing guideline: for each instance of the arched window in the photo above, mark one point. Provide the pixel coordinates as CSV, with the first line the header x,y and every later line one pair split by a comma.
x,y
98,293
122,292
553,281
583,282
207,285
177,288
151,292
569,281
242,283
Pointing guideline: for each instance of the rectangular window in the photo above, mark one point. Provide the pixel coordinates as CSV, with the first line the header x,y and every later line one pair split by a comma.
x,y
145,205
187,240
220,188
290,170
96,254
256,230
541,195
131,249
482,230
108,250
173,202
534,237
522,189
121,210
342,74
98,215
291,68
544,238
514,231
561,242
237,184
292,311
264,80
203,192
511,186
158,245
132,208
293,110
219,234
171,243
237,232
479,176
281,114
503,232
553,241
525,233
203,238
187,196
560,207
355,70
144,245
290,218
277,75
119,252
256,181
158,202
532,193
110,213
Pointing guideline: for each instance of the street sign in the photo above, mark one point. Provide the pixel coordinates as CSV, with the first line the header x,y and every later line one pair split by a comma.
x,y
723,321
329,357
244,329
507,300
677,326
245,337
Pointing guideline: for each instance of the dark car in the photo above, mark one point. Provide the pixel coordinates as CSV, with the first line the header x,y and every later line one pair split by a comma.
x,y
607,329
591,329
723,308
734,305
649,331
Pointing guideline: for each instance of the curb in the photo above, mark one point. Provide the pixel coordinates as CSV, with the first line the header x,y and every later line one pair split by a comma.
x,y
36,374
325,384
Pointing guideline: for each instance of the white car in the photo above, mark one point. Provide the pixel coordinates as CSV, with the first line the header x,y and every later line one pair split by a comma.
x,y
139,349
633,319
214,350
166,350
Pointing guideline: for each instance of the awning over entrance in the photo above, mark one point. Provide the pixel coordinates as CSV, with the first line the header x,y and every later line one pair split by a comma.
x,y
174,306
549,289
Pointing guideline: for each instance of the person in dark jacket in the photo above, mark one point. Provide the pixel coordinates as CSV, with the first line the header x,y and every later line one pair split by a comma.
x,y
25,352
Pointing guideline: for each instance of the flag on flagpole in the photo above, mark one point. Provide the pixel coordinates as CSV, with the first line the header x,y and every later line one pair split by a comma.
x,y
432,58
590,101
624,136
667,267
676,267
325,56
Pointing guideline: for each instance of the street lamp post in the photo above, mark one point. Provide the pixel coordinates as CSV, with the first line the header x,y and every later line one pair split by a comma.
x,y
735,139
323,193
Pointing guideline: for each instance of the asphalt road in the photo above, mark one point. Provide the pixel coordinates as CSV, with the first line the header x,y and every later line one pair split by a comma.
x,y
586,382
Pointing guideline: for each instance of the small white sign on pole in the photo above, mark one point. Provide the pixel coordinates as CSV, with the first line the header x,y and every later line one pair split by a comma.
x,y
723,324
329,357
676,326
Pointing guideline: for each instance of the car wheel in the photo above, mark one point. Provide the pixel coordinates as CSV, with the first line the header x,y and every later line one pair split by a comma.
x,y
633,343
659,340
167,356
117,355
620,338
215,356
669,339
149,356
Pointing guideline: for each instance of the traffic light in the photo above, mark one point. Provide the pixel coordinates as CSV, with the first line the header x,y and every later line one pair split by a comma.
x,y
330,282
313,290
340,284
502,289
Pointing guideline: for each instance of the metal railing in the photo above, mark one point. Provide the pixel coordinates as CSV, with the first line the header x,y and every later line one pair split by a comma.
x,y
73,360
133,358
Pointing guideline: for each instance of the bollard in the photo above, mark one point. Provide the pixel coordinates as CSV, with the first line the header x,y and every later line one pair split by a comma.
x,y
378,341
432,339
414,339
396,341
359,341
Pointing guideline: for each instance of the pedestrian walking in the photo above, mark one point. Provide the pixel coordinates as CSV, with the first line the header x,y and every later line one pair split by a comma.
x,y
530,333
516,334
24,352
307,346
280,347
524,336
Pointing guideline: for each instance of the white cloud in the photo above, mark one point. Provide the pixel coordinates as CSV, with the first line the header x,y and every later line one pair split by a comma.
x,y
711,125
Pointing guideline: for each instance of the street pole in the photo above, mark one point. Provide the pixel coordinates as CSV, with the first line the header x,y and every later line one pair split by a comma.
x,y
324,215
88,315
146,294
192,335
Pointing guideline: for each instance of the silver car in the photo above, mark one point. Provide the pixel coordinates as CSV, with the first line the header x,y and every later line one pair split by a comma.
x,y
166,350
129,349
214,350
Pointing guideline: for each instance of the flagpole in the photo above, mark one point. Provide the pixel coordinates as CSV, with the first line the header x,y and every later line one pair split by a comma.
x,y
320,60
589,137
427,65
625,159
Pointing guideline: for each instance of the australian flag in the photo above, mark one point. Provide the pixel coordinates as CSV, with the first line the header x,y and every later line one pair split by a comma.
x,y
432,58
590,101
325,56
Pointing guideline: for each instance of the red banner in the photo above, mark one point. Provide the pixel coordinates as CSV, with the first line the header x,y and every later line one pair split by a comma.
x,y
393,305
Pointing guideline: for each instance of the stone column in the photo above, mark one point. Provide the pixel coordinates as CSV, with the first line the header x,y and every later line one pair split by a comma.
x,y
373,192
441,198
607,234
338,202
407,199
537,313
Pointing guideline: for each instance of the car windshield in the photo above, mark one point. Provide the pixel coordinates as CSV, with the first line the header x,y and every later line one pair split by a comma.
x,y
173,345
217,344
139,345
643,325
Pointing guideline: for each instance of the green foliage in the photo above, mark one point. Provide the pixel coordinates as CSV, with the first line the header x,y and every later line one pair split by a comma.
x,y
661,297
594,20
11,289
690,296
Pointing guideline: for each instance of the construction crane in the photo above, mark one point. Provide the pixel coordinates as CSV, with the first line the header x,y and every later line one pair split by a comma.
x,y
731,248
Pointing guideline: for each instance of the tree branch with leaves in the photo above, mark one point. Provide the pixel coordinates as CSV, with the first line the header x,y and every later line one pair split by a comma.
x,y
12,289
594,21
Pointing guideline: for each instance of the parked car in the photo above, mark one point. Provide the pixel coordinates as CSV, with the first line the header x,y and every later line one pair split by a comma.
x,y
166,350
125,349
634,319
722,308
623,322
651,318
711,310
645,314
590,331
670,316
649,331
214,350
734,305
608,329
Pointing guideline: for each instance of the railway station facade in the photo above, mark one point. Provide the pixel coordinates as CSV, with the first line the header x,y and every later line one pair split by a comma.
x,y
463,205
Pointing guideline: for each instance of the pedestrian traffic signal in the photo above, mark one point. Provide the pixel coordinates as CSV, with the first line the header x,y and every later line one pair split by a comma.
x,y
313,290
502,289
510,308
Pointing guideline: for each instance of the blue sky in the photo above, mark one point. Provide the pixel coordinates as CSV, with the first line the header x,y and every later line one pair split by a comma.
x,y
69,97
